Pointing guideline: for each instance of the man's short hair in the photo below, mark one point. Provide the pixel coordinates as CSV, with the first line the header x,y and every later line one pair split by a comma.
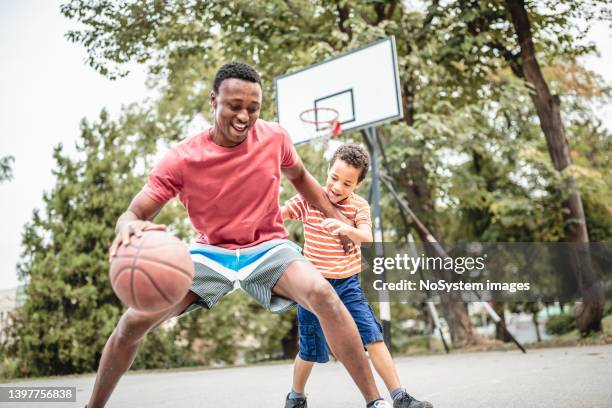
x,y
354,155
237,70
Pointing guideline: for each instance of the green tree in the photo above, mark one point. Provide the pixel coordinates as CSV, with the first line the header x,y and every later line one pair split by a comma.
x,y
547,105
70,308
485,36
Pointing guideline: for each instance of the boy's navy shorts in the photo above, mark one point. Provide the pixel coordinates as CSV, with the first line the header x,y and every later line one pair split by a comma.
x,y
313,346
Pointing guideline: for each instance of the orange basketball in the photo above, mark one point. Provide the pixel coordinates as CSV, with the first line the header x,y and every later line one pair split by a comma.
x,y
152,273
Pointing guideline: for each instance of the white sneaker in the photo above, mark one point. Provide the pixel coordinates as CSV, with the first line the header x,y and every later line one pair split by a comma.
x,y
382,404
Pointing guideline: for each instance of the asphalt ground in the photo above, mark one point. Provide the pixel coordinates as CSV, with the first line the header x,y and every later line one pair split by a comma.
x,y
559,377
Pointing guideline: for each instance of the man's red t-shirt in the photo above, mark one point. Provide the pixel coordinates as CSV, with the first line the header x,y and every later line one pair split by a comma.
x,y
231,193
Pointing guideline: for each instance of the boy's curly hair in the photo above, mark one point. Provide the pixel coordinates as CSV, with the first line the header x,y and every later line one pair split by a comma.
x,y
354,155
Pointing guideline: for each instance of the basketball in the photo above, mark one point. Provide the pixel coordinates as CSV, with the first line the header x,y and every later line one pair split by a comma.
x,y
152,273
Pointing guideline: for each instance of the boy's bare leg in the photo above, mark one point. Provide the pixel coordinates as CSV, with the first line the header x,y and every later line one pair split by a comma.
x,y
301,372
120,349
383,363
304,284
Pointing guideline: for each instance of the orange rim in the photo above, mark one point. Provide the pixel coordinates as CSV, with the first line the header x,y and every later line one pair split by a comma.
x,y
327,124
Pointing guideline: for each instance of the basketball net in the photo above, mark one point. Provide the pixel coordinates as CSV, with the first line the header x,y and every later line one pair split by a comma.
x,y
320,124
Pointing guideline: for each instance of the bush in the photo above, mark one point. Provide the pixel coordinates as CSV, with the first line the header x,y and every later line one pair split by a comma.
x,y
561,324
159,350
9,368
608,308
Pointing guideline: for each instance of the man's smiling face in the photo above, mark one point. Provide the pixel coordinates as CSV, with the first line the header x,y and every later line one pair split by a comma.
x,y
236,106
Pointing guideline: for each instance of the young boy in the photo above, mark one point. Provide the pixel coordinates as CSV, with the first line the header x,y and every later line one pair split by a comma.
x,y
347,170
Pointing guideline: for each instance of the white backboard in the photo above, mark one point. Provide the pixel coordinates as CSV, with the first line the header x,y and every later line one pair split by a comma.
x,y
362,85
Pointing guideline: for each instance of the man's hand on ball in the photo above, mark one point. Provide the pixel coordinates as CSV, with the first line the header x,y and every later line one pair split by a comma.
x,y
129,228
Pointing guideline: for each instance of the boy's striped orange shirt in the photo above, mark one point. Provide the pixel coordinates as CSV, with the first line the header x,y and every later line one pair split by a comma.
x,y
323,248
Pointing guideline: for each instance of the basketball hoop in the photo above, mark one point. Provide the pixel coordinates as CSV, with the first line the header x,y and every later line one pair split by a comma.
x,y
320,124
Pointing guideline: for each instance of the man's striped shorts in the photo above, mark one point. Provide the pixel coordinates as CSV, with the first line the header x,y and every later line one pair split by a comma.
x,y
220,271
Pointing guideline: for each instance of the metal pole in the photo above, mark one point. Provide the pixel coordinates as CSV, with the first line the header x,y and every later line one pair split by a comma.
x,y
385,307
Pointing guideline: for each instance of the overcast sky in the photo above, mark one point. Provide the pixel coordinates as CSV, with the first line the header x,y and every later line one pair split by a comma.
x,y
45,90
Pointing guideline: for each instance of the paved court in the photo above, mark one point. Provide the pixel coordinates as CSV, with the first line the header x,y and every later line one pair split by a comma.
x,y
561,377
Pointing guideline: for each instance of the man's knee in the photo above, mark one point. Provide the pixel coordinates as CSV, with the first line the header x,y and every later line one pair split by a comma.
x,y
132,327
322,297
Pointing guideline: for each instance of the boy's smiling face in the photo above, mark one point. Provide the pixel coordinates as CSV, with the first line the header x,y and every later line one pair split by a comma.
x,y
342,179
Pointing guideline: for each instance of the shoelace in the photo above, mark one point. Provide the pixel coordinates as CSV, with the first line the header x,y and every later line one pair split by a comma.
x,y
406,397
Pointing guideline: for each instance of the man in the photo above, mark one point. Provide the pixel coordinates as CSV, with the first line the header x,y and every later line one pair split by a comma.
x,y
228,179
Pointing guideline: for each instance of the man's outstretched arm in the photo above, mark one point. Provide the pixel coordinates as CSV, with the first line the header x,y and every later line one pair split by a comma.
x,y
311,190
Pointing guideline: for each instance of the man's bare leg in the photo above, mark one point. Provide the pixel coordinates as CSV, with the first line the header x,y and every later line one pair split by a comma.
x,y
120,349
305,285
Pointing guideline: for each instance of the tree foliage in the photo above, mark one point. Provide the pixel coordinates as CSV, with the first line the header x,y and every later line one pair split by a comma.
x,y
6,169
454,59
